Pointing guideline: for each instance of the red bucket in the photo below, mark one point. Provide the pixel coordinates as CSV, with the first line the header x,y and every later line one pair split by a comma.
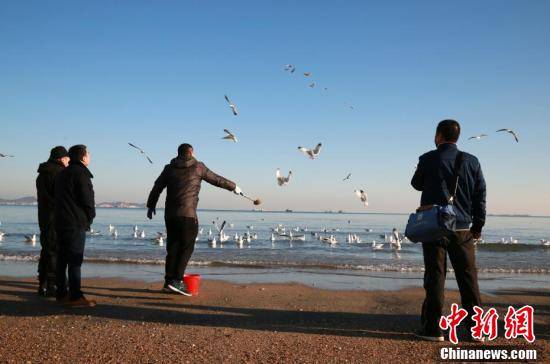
x,y
192,281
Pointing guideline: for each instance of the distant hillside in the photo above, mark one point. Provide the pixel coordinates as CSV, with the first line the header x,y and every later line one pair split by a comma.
x,y
23,201
31,201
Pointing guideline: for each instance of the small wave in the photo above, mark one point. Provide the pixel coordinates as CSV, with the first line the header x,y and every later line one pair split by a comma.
x,y
289,265
503,247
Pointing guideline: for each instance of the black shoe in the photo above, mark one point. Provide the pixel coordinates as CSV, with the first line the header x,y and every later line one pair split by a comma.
x,y
179,287
166,288
422,334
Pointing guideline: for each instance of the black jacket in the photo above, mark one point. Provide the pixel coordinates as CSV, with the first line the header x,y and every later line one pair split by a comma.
x,y
45,184
74,198
470,199
182,179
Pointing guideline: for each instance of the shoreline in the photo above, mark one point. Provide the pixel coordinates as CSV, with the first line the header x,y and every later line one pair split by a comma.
x,y
331,279
229,322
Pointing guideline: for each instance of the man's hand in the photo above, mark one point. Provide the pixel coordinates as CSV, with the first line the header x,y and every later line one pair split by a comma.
x,y
150,212
237,190
475,234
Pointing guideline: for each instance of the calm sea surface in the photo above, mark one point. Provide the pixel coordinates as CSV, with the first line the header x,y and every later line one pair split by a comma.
x,y
527,256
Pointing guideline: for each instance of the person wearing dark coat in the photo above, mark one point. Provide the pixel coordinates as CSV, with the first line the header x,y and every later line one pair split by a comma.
x,y
45,184
74,214
435,177
182,179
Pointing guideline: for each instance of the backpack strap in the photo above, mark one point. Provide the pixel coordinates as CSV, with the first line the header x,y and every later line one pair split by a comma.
x,y
456,172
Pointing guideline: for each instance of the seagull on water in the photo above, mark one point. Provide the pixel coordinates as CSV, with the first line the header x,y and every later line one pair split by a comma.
x,y
542,241
229,136
281,180
363,196
377,246
347,177
30,239
141,151
477,137
231,105
511,132
311,153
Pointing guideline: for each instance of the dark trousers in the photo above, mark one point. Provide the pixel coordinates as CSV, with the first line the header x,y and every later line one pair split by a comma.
x,y
48,254
461,250
181,234
70,255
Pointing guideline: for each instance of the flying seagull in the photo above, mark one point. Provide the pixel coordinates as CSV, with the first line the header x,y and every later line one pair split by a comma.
x,y
290,68
141,151
307,74
230,135
231,105
5,155
347,177
312,85
478,136
363,196
511,132
281,180
311,153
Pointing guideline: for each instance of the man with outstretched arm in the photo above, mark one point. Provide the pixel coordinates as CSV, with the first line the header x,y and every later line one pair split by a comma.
x,y
182,179
436,171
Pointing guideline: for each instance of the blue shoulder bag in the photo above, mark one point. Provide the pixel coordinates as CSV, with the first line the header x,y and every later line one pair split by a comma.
x,y
434,222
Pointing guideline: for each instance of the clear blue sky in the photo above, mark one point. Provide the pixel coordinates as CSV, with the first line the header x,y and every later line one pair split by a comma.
x,y
104,73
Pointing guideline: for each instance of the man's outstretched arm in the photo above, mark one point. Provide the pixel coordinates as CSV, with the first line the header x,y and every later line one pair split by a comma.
x,y
217,180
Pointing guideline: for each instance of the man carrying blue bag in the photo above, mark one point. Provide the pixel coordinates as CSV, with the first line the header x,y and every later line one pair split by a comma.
x,y
453,188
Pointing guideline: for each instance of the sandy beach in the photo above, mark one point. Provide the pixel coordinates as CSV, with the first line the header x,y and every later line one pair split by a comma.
x,y
135,322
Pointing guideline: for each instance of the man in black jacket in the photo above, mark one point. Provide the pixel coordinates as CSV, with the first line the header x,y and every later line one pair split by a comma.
x,y
182,178
74,213
45,182
435,177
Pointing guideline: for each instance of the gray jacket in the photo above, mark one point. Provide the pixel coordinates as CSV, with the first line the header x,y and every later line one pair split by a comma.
x,y
182,179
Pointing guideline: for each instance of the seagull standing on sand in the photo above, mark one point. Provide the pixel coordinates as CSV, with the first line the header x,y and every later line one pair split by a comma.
x,y
311,153
363,196
347,177
231,105
511,132
477,137
281,180
229,136
141,151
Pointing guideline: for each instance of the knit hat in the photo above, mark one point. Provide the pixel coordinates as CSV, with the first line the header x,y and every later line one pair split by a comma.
x,y
58,152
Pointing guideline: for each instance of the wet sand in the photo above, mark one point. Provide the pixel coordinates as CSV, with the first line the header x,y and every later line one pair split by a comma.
x,y
135,322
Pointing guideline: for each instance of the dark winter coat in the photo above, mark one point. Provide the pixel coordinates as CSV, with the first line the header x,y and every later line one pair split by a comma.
x,y
471,194
45,190
74,198
182,179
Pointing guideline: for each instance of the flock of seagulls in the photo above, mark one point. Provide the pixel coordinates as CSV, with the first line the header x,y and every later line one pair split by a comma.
x,y
509,131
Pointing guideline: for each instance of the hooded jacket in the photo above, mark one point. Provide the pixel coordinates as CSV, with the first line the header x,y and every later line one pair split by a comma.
x,y
45,189
471,193
74,198
182,179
